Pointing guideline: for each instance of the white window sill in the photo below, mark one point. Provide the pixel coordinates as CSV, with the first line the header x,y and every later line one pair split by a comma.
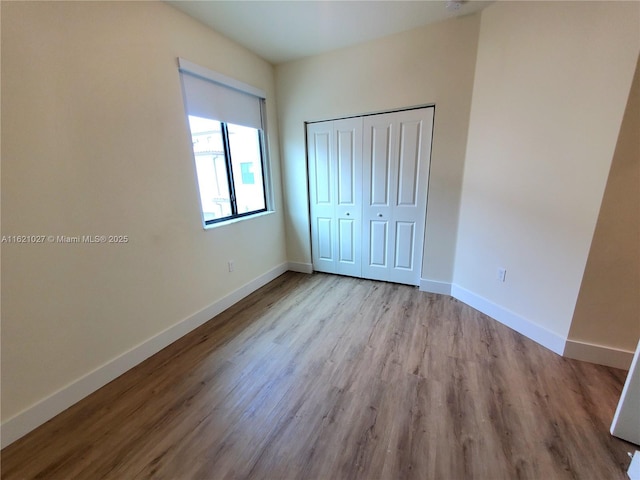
x,y
236,220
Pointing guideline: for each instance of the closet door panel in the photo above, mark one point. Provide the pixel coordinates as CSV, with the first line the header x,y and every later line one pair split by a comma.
x,y
409,158
324,239
403,139
378,241
321,163
334,151
378,156
414,129
404,245
346,166
347,248
348,211
322,168
379,146
378,167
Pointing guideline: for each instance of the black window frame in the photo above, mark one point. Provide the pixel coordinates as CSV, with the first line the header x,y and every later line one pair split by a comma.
x,y
230,177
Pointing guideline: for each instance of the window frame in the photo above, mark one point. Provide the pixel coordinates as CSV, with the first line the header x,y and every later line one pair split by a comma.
x,y
189,68
231,182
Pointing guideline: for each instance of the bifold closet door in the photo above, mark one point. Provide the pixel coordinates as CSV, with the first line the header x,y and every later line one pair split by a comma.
x,y
396,154
334,152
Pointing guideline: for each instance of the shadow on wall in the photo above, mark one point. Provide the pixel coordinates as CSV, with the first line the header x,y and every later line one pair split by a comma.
x,y
608,307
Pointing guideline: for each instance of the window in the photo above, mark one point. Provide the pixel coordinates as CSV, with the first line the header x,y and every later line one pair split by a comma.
x,y
226,123
228,159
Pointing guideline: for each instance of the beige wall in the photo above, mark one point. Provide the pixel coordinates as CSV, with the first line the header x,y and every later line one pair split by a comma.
x,y
94,141
608,307
429,65
551,85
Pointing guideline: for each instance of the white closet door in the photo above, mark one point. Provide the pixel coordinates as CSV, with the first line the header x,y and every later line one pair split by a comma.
x,y
335,194
396,156
348,212
322,195
379,152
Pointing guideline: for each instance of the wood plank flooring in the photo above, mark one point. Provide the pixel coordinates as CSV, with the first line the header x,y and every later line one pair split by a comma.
x,y
327,377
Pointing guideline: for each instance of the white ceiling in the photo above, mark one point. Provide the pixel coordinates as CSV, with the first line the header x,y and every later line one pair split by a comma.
x,y
280,31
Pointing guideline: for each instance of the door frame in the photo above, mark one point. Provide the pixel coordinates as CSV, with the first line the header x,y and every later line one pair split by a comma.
x,y
362,115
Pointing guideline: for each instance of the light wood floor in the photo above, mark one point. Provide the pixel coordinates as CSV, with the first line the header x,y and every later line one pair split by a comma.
x,y
326,377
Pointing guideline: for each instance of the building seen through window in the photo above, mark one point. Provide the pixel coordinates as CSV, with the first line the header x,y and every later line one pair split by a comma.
x,y
229,168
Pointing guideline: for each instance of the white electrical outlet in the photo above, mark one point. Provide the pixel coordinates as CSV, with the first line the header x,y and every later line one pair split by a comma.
x,y
501,274
231,265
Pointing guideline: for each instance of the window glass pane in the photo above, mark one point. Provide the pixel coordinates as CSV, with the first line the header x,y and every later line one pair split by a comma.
x,y
208,150
246,161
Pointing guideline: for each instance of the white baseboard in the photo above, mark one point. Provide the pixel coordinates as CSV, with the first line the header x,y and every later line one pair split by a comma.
x,y
34,416
600,354
301,267
529,329
434,286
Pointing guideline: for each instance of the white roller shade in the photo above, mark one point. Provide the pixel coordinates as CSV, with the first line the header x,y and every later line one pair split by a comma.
x,y
205,96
